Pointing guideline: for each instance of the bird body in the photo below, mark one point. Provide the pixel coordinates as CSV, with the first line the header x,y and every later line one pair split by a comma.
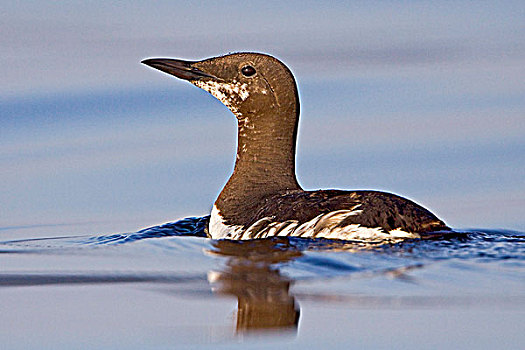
x,y
262,198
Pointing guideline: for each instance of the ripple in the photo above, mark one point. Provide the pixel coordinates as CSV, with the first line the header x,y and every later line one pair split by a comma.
x,y
191,226
482,245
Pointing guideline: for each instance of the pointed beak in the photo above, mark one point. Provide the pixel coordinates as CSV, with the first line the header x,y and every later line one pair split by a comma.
x,y
179,68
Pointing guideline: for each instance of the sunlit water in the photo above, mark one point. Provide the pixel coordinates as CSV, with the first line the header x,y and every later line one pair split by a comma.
x,y
170,286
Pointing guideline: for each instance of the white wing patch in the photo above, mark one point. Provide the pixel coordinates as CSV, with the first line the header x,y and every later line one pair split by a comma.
x,y
227,93
322,226
217,229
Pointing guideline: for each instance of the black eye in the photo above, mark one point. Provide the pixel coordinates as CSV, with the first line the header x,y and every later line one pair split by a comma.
x,y
248,71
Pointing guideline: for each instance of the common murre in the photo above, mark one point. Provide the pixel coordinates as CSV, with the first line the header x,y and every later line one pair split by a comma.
x,y
262,198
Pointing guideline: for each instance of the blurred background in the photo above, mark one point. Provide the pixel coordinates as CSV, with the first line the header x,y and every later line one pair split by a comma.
x,y
421,98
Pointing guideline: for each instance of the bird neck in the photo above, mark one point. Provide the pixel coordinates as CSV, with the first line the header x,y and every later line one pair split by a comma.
x,y
265,162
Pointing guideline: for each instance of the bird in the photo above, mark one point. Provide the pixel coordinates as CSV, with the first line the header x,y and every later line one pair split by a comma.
x,y
262,197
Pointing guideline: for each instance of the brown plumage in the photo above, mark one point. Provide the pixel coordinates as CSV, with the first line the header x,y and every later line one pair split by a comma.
x,y
262,197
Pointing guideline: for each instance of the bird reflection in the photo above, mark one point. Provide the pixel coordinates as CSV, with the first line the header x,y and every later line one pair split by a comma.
x,y
251,274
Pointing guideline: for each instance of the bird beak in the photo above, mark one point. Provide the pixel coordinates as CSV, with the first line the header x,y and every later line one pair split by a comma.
x,y
179,68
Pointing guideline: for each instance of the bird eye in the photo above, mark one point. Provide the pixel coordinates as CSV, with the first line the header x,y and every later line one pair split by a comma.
x,y
248,71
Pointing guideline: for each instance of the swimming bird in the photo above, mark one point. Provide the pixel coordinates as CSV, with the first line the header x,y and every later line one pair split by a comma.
x,y
262,198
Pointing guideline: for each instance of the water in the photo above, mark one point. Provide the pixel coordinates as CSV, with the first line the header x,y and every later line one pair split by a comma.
x,y
421,98
168,286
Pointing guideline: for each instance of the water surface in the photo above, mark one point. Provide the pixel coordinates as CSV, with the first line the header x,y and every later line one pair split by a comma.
x,y
168,286
420,98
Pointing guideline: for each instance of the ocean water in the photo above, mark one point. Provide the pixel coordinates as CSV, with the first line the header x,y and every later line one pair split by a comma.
x,y
97,152
169,287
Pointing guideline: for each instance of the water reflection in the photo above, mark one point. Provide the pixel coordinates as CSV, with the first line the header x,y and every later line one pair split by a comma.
x,y
266,277
252,275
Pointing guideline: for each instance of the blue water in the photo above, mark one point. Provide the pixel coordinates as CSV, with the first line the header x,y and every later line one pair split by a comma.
x,y
199,292
424,99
